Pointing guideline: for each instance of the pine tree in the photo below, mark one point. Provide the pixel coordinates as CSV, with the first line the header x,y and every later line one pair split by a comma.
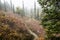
x,y
51,18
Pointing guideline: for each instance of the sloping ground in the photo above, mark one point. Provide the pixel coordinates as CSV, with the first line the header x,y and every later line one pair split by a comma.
x,y
13,27
35,26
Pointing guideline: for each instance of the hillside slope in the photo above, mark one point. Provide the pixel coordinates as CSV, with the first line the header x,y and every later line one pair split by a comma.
x,y
14,27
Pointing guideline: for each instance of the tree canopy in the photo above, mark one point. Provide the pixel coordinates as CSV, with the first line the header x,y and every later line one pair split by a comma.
x,y
51,18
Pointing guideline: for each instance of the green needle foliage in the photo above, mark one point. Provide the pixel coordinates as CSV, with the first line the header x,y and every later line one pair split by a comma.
x,y
51,18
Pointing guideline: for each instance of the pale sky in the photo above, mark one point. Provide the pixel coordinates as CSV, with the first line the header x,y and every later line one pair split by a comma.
x,y
27,3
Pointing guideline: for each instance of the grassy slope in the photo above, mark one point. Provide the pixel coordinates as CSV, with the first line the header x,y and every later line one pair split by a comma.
x,y
13,27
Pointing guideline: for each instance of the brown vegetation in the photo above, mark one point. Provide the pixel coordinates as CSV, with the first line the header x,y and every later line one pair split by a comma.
x,y
13,27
